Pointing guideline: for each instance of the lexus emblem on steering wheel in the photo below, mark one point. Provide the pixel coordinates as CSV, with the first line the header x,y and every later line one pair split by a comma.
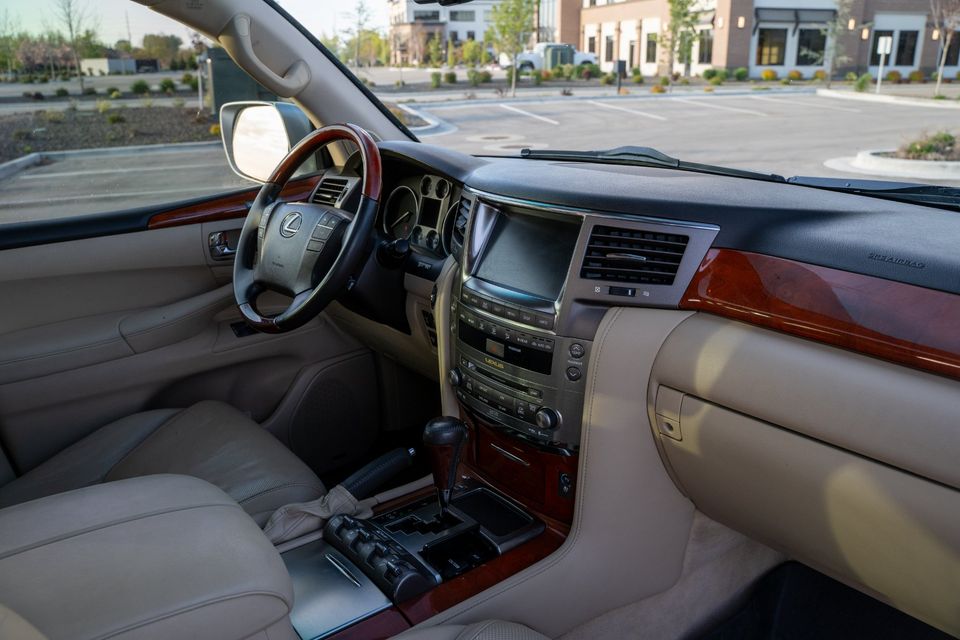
x,y
291,224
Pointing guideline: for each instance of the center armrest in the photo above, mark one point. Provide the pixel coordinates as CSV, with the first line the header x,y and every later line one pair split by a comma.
x,y
165,555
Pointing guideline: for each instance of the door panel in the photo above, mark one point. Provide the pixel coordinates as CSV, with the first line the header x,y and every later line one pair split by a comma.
x,y
108,326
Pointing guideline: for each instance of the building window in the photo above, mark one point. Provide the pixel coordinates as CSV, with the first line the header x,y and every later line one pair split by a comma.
x,y
953,52
608,48
430,16
705,52
453,36
592,44
471,35
463,16
632,60
907,48
810,47
874,56
771,47
651,47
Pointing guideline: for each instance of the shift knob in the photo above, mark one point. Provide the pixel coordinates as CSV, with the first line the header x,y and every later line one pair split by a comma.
x,y
444,438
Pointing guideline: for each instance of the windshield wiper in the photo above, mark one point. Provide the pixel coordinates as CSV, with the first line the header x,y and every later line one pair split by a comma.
x,y
645,157
910,192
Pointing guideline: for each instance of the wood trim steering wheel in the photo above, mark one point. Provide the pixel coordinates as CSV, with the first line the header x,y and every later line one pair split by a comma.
x,y
302,249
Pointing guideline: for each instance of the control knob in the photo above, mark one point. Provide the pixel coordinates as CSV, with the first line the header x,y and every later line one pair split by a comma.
x,y
547,418
454,377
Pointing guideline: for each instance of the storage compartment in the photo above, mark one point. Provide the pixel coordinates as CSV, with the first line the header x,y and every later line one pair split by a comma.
x,y
500,518
457,554
887,532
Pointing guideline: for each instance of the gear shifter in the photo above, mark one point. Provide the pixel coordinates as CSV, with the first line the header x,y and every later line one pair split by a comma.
x,y
444,438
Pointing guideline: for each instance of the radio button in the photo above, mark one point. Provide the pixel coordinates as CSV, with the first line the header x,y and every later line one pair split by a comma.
x,y
577,351
574,374
544,321
522,339
497,309
528,317
511,314
485,304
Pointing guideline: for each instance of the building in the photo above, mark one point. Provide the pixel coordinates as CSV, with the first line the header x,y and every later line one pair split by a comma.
x,y
558,21
108,66
413,25
780,35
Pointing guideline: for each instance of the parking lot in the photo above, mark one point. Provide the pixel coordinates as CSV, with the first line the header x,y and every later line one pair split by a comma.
x,y
789,134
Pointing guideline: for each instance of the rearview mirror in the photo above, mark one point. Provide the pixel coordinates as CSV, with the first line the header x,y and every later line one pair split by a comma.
x,y
258,135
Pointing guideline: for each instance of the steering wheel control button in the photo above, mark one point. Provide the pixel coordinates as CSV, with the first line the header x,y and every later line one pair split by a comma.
x,y
315,246
577,351
574,374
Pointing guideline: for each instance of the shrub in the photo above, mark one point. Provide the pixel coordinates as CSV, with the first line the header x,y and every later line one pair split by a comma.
x,y
111,90
167,85
72,104
546,76
44,79
664,81
916,76
61,93
716,81
958,75
37,95
785,81
450,77
89,91
675,76
187,78
214,129
636,71
939,146
54,116
709,74
638,78
115,94
768,75
473,77
586,72
178,103
722,74
851,76
103,106
658,88
741,74
146,103
486,76
893,76
795,74
608,79
537,76
115,118
194,84
820,74
862,83
140,87
708,89
685,81
435,78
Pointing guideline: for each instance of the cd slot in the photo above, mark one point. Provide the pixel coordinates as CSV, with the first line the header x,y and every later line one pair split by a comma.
x,y
490,376
510,352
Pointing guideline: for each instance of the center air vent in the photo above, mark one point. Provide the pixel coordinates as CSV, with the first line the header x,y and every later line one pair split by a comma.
x,y
460,226
330,190
633,255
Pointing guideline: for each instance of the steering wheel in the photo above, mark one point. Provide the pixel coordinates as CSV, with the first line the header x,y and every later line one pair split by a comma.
x,y
305,250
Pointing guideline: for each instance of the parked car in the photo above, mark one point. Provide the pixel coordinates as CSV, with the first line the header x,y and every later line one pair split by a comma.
x,y
547,55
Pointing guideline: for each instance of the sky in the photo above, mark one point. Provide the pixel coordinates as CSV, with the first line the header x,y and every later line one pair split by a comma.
x,y
322,17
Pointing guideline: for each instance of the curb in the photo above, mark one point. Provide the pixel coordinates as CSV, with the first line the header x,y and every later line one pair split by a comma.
x,y
17,165
869,163
872,97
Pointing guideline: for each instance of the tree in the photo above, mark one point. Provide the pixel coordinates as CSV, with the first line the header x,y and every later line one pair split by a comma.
x,y
434,51
451,53
510,30
680,33
8,40
360,18
835,32
75,20
160,46
946,19
471,51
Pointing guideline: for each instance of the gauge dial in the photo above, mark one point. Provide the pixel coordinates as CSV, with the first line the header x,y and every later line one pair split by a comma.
x,y
426,185
401,213
443,187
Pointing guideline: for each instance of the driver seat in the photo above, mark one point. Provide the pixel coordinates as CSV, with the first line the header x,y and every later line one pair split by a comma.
x,y
210,440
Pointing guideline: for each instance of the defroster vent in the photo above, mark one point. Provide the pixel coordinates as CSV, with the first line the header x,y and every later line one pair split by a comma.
x,y
633,255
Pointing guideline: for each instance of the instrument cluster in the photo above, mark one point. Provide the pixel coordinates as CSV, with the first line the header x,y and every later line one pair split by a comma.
x,y
422,210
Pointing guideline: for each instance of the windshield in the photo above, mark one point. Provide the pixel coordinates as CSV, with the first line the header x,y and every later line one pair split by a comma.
x,y
816,88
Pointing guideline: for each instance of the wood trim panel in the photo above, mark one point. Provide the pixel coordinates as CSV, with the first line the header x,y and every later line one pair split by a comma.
x,y
380,626
472,582
231,206
897,322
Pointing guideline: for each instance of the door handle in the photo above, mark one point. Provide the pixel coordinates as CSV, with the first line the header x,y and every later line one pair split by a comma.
x,y
219,244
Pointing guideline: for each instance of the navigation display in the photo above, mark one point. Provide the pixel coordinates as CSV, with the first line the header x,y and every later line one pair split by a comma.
x,y
529,254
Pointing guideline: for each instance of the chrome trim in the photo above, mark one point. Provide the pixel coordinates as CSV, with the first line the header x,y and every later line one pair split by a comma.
x,y
543,206
509,455
339,566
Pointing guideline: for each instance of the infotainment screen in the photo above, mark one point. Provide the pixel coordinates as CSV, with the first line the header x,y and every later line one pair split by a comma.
x,y
529,253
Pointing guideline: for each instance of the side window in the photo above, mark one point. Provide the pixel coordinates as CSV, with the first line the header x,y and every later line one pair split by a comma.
x,y
104,124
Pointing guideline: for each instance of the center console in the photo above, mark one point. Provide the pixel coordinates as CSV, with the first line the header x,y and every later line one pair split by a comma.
x,y
513,364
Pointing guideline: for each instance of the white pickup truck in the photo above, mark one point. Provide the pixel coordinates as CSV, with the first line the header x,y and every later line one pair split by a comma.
x,y
547,55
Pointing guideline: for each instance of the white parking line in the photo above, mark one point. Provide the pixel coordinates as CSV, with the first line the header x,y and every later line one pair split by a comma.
x,y
625,110
707,103
527,113
806,103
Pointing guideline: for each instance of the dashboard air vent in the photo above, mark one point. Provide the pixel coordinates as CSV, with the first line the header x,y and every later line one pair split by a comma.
x,y
632,255
460,226
329,191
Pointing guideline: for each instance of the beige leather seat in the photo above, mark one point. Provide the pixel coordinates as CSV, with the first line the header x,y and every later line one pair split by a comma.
x,y
210,440
486,630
